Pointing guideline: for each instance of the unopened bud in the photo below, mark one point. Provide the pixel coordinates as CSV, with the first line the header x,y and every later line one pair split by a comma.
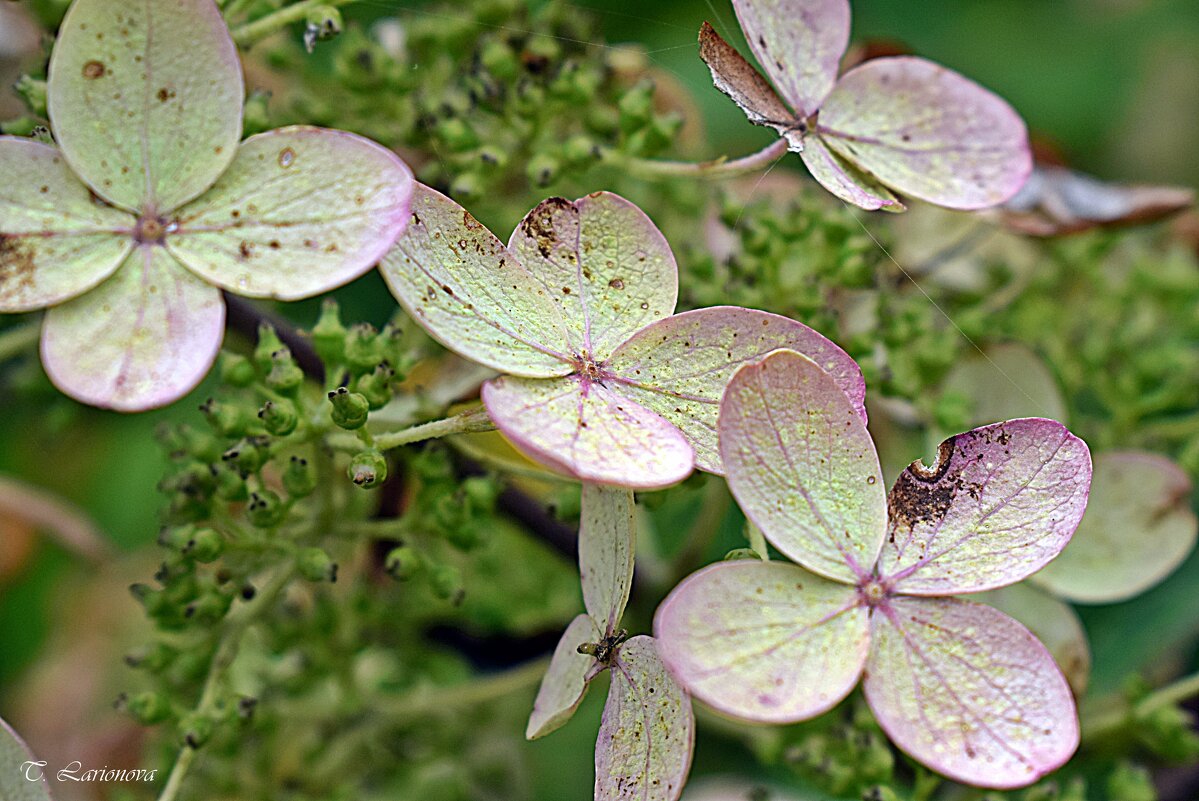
x,y
299,479
279,417
315,564
368,469
350,409
265,509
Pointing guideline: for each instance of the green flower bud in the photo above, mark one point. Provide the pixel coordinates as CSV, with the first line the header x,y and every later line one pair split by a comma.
x,y
467,186
636,107
176,537
230,485
376,386
481,493
403,562
268,343
742,553
499,59
447,583
153,658
465,535
198,444
492,158
33,92
315,564
265,509
456,134
363,348
247,455
350,409
227,419
236,370
195,730
581,150
209,608
602,120
299,479
368,469
279,417
324,22
148,708
542,169
1131,783
329,335
204,546
285,376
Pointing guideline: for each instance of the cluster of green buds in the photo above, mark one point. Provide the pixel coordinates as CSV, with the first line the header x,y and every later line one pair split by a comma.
x,y
505,95
444,510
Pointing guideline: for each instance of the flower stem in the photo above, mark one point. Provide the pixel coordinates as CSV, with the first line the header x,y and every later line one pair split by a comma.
x,y
226,652
468,422
455,696
1102,724
715,169
252,32
19,338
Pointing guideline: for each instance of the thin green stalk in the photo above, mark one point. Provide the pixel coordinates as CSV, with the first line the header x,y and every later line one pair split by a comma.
x,y
252,32
422,702
468,422
19,339
226,652
716,169
1102,724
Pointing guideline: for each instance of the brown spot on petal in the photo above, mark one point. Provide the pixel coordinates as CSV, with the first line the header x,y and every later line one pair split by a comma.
x,y
93,70
165,94
616,283
16,263
287,157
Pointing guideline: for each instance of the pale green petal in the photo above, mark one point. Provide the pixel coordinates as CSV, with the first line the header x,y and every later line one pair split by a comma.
x,y
463,286
928,132
845,180
679,366
145,99
763,641
1000,502
20,781
802,466
603,262
607,542
1137,529
969,692
142,339
643,751
56,240
565,681
300,211
589,432
1005,382
1053,623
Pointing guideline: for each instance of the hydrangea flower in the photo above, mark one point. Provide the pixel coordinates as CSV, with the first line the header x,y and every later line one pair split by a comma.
x,y
902,123
603,382
647,731
959,686
128,230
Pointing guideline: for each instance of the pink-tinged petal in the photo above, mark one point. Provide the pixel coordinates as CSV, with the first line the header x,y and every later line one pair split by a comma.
x,y
647,733
763,641
1137,529
470,293
680,366
968,692
603,262
565,681
299,212
927,132
56,240
16,783
587,431
1056,201
802,466
738,79
1000,502
845,180
1053,623
142,339
146,99
607,543
799,44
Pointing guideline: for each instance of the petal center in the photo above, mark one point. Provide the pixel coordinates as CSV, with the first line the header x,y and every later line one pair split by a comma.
x,y
152,229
